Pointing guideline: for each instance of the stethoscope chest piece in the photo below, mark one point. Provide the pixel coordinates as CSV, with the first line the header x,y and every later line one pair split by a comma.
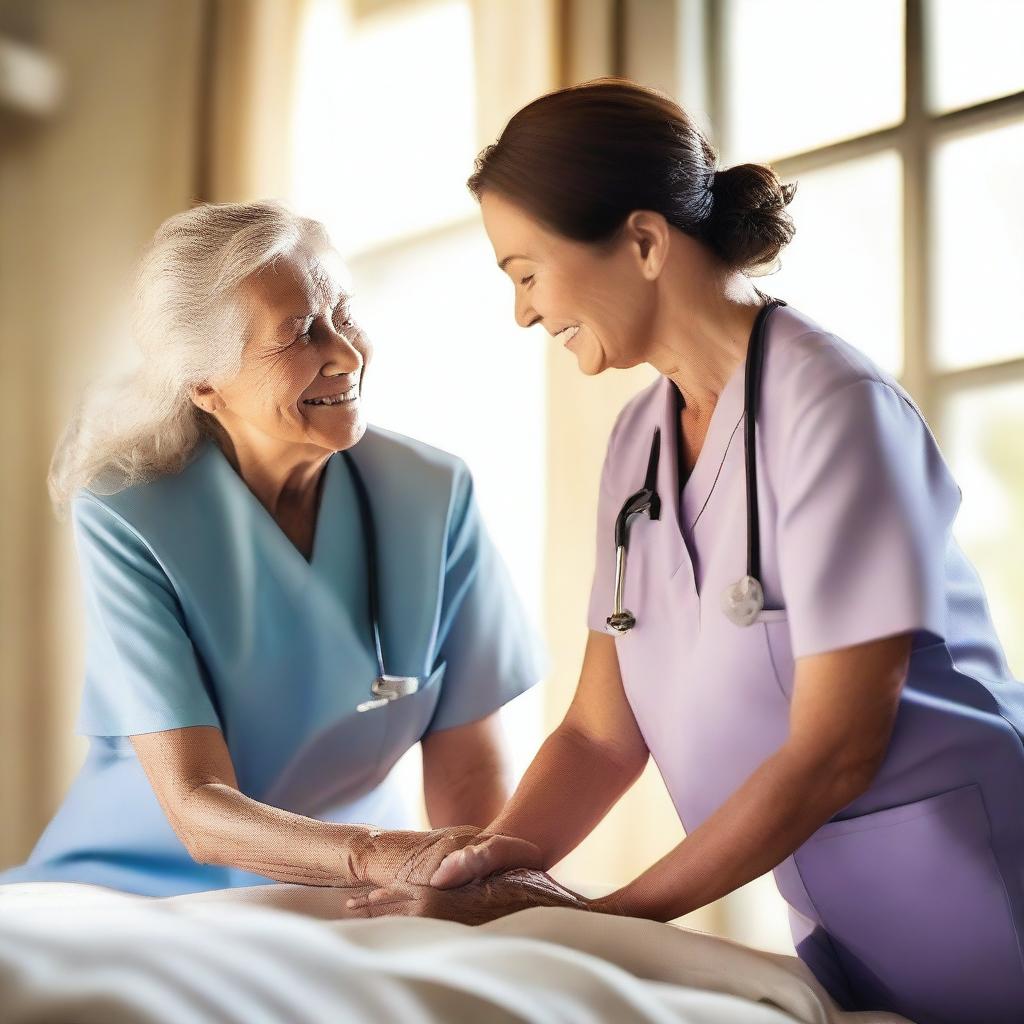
x,y
388,688
743,601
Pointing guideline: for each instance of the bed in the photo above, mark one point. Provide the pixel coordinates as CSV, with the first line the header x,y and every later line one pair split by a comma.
x,y
286,954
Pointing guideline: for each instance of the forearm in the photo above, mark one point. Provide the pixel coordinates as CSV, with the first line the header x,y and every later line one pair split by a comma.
x,y
224,826
467,773
475,799
568,788
778,807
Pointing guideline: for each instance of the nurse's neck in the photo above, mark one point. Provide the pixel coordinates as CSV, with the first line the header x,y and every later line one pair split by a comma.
x,y
701,332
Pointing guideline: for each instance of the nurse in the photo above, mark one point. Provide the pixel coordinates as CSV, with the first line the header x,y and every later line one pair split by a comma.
x,y
225,564
862,737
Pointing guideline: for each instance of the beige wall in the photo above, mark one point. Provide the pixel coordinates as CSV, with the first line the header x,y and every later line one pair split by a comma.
x,y
79,194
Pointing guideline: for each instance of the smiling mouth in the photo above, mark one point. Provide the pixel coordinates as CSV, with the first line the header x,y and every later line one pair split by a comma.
x,y
345,397
567,334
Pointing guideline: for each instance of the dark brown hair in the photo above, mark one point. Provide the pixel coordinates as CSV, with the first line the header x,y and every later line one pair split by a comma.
x,y
582,159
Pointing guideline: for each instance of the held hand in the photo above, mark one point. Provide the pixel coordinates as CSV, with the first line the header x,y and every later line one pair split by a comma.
x,y
476,903
486,855
386,856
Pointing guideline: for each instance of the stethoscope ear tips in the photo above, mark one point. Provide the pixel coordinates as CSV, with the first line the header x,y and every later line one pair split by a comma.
x,y
621,622
743,601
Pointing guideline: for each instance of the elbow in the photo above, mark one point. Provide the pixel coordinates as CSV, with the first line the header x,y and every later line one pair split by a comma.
x,y
853,781
475,799
858,769
196,842
187,825
205,852
841,778
628,760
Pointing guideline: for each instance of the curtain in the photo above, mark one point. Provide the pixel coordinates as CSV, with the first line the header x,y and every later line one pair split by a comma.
x,y
251,63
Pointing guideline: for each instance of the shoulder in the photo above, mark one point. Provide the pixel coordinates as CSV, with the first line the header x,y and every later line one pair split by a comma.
x,y
809,369
112,549
827,405
398,452
411,470
149,507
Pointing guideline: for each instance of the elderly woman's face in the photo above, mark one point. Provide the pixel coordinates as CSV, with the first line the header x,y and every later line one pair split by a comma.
x,y
304,355
591,298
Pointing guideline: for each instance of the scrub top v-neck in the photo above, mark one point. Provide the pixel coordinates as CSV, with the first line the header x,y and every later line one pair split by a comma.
x,y
917,886
681,468
200,610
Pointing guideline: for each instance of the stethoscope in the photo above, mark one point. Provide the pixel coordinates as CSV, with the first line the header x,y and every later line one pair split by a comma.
x,y
384,688
743,600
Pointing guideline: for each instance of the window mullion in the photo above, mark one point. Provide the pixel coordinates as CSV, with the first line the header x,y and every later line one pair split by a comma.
x,y
918,372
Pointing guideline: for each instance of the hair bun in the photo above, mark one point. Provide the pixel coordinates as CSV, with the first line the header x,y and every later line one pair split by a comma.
x,y
748,224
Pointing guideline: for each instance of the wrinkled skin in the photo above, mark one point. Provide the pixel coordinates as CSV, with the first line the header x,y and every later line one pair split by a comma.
x,y
475,903
487,854
385,857
495,876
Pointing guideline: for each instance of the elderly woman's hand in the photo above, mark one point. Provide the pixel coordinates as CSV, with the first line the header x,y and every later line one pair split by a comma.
x,y
382,857
386,857
476,903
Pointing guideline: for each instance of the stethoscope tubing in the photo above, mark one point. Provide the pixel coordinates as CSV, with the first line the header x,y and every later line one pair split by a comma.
x,y
647,501
385,688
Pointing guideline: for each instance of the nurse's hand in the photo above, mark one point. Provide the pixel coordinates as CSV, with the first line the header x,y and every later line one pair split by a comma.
x,y
476,903
485,855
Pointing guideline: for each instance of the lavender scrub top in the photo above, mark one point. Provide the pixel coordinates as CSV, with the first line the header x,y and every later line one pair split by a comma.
x,y
201,611
922,876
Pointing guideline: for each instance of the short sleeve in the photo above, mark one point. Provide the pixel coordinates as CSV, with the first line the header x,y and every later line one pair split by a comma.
x,y
866,504
492,652
142,673
602,587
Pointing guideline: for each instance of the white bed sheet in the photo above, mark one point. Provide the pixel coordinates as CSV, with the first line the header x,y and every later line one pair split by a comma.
x,y
86,954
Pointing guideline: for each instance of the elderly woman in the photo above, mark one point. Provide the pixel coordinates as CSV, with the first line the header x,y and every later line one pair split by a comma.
x,y
799,642
244,704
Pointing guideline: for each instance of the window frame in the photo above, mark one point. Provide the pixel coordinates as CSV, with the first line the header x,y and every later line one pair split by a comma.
x,y
688,32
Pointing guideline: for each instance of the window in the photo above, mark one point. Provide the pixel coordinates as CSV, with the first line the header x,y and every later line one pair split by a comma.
x,y
382,159
978,217
800,74
975,51
844,212
903,124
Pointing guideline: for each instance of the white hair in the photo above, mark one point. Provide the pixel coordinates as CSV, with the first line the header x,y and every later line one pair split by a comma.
x,y
144,424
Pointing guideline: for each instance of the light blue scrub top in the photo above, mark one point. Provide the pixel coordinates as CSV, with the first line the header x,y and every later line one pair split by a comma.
x,y
200,611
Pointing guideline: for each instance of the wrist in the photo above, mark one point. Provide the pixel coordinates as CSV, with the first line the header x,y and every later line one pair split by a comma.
x,y
498,828
355,847
617,903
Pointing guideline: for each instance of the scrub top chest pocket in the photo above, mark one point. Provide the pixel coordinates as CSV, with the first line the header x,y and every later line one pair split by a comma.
x,y
407,718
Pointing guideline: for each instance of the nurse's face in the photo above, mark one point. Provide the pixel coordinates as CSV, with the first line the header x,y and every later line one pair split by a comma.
x,y
597,300
302,364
